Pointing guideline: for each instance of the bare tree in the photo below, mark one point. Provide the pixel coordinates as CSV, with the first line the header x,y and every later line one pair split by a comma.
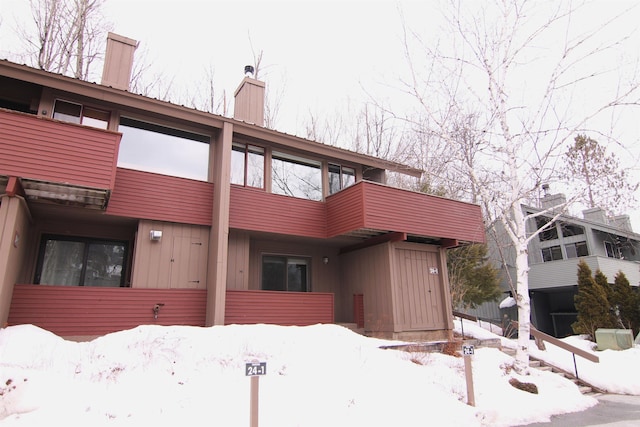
x,y
598,175
68,37
525,119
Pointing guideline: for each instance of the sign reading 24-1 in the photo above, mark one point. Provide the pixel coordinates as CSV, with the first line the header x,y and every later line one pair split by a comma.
x,y
255,368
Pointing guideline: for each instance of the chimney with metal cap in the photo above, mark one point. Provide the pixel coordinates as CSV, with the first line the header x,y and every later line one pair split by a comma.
x,y
249,99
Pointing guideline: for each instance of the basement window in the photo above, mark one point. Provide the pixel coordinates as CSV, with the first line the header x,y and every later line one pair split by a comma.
x,y
282,273
71,261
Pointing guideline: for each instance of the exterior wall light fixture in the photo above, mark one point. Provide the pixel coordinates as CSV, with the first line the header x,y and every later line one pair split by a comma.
x,y
325,260
155,235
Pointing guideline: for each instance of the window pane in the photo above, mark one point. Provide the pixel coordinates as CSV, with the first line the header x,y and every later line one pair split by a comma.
x,y
154,148
571,251
297,177
95,118
273,273
571,229
348,177
553,253
297,275
612,251
334,179
237,164
581,249
549,233
62,263
255,167
104,264
66,111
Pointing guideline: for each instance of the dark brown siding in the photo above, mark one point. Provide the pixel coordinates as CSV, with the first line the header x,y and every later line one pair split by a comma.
x,y
160,197
82,311
260,211
48,150
281,308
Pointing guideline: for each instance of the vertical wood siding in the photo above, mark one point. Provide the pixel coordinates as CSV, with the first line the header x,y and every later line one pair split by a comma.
x,y
177,260
419,289
238,260
149,195
358,310
368,272
257,210
48,150
281,308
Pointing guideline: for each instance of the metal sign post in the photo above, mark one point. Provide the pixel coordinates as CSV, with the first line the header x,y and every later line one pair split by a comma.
x,y
254,370
467,352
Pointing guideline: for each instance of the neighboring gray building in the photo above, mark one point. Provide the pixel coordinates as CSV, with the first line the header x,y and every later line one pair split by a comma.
x,y
604,243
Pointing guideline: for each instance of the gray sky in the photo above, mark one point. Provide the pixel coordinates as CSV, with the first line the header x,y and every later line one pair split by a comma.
x,y
318,55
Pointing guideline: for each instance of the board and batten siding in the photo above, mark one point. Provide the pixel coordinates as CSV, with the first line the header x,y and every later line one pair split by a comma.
x,y
48,150
368,272
177,260
148,195
257,210
419,288
238,260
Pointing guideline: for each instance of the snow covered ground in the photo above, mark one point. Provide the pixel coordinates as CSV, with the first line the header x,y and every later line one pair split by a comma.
x,y
322,375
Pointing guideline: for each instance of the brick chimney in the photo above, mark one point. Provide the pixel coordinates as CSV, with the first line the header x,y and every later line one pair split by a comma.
x,y
118,61
249,99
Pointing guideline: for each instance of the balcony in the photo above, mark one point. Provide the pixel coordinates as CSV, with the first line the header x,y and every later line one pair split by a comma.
x,y
371,208
57,161
363,210
564,272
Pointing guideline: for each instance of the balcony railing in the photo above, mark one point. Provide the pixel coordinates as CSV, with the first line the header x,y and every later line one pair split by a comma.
x,y
564,272
52,152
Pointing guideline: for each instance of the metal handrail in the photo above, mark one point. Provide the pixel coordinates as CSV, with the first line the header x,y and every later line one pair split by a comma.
x,y
541,336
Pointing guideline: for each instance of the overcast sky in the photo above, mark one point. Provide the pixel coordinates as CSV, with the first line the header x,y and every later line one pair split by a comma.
x,y
318,55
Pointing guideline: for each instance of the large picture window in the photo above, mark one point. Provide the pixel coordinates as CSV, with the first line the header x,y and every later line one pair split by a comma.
x,y
155,148
247,165
281,273
70,261
296,176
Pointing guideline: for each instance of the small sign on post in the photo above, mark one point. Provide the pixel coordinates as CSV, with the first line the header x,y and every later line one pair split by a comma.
x,y
467,352
254,370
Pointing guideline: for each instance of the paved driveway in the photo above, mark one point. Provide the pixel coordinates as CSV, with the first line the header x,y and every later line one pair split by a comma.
x,y
614,410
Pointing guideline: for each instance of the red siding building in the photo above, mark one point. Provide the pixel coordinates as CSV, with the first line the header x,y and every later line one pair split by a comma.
x,y
118,210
